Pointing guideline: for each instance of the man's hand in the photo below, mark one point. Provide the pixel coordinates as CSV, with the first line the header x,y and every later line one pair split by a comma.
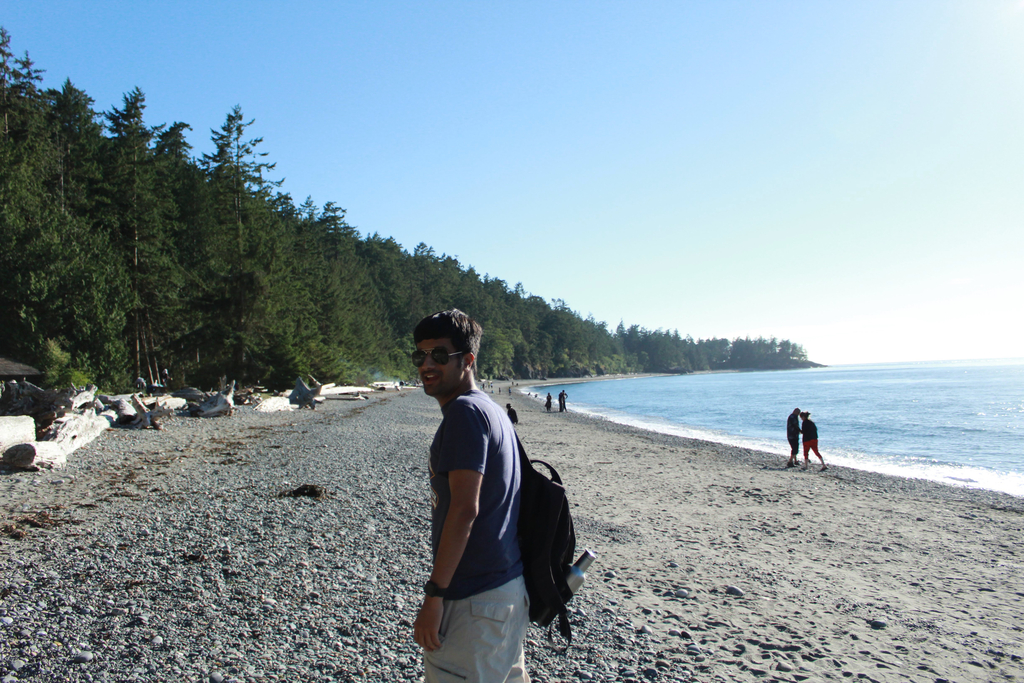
x,y
428,623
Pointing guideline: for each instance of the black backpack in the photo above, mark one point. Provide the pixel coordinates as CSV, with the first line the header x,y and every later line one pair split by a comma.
x,y
547,541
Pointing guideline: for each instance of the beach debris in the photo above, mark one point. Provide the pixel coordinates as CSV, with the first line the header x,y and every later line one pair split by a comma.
x,y
63,421
220,403
734,590
345,393
305,396
274,404
878,623
306,490
190,394
16,429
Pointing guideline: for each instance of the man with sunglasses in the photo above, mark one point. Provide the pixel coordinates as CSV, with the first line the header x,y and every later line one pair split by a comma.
x,y
475,611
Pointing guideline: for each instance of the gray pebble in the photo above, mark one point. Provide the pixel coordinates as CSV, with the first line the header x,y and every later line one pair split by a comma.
x,y
682,593
879,623
7,621
644,629
17,664
610,575
83,657
157,641
216,678
733,590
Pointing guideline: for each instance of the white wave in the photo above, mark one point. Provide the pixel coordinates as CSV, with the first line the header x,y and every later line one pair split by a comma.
x,y
952,475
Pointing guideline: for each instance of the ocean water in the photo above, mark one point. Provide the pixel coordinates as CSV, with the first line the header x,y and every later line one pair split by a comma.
x,y
956,422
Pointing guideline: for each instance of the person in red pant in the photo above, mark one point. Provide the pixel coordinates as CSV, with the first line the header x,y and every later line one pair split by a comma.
x,y
810,432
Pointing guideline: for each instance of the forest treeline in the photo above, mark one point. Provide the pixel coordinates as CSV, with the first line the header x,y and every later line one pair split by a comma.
x,y
121,253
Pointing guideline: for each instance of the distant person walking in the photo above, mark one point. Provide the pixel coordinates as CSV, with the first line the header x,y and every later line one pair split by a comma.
x,y
810,432
793,434
512,415
547,403
562,397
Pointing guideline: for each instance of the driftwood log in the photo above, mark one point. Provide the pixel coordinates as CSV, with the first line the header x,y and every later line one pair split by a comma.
x,y
305,396
125,411
273,404
191,395
36,455
75,430
16,429
222,403
146,416
65,435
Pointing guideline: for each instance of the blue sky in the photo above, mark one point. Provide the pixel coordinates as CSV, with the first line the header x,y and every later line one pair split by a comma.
x,y
849,175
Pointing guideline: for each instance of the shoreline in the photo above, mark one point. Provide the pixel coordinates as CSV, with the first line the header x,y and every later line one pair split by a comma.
x,y
731,440
762,459
172,556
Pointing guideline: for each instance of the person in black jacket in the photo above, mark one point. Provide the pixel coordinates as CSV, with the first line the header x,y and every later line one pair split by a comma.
x,y
512,415
793,434
810,431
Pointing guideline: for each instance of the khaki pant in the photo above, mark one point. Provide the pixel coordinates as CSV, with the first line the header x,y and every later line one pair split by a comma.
x,y
482,638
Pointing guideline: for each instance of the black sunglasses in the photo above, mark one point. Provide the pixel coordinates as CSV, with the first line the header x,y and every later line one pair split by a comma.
x,y
438,353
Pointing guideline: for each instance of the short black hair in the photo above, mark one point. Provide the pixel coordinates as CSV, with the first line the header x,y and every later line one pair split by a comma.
x,y
805,415
452,324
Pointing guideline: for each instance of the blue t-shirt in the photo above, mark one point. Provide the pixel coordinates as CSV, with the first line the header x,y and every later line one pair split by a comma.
x,y
475,434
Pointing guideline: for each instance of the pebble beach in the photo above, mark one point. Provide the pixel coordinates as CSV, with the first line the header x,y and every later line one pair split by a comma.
x,y
178,555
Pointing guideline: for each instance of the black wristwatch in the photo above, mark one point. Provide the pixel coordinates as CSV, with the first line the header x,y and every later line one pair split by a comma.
x,y
433,590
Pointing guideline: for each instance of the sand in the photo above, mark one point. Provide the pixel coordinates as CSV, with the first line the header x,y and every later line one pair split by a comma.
x,y
843,574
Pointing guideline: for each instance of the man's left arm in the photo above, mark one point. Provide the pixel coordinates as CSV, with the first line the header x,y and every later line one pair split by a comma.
x,y
464,486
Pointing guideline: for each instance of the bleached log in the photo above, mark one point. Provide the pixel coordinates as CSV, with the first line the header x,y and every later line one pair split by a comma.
x,y
148,417
328,390
16,429
305,396
126,413
190,394
171,403
274,404
218,404
75,430
37,455
79,399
